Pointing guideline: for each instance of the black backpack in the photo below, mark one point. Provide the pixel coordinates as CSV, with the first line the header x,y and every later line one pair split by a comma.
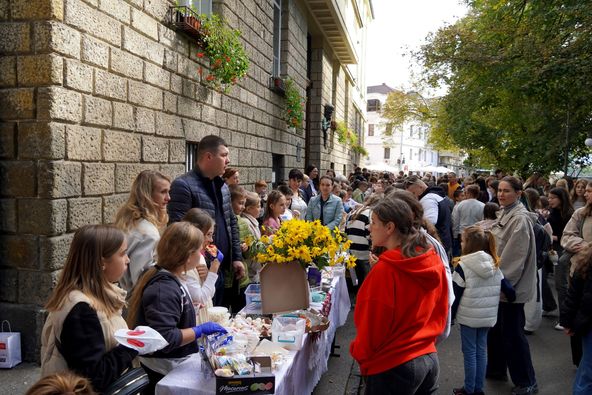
x,y
543,243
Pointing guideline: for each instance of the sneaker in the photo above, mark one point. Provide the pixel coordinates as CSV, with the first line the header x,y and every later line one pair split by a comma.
x,y
528,333
460,391
530,390
550,313
558,326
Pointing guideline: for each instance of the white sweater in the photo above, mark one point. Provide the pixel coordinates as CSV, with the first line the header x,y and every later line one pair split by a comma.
x,y
480,299
141,246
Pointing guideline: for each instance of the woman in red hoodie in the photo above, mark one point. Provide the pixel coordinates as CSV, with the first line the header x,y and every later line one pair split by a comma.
x,y
401,307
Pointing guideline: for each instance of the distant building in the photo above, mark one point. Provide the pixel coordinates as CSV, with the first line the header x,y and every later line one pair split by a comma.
x,y
406,149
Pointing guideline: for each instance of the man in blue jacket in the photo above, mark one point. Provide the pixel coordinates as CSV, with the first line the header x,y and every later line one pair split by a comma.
x,y
204,188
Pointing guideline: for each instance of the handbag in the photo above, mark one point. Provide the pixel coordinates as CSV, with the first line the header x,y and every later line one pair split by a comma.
x,y
131,382
10,347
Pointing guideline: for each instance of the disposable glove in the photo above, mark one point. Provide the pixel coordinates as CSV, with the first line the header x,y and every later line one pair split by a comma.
x,y
207,328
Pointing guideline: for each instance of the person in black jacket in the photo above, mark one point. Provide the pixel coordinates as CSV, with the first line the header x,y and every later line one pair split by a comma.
x,y
204,188
161,300
576,318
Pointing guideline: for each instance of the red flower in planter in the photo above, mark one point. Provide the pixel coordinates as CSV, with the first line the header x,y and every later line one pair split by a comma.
x,y
200,55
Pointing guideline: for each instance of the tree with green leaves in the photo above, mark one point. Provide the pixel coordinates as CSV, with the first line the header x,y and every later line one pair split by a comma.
x,y
519,88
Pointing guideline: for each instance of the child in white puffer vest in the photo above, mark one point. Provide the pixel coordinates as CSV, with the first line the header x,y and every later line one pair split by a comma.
x,y
477,281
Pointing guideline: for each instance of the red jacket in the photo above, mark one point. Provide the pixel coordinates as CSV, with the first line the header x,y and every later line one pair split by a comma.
x,y
401,308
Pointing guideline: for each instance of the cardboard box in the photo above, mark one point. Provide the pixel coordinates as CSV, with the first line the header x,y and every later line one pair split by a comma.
x,y
284,288
257,383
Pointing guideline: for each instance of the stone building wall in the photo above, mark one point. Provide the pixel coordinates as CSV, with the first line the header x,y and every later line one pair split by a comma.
x,y
94,91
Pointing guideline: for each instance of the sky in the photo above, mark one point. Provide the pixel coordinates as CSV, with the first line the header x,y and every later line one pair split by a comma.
x,y
398,27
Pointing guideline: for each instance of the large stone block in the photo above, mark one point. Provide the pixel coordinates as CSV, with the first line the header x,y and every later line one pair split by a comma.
x,y
177,151
126,173
95,52
155,149
170,102
83,143
176,84
144,95
121,146
97,111
98,178
19,251
93,21
78,76
7,71
57,103
111,205
144,120
25,10
117,9
4,10
29,320
17,104
58,179
35,286
123,116
188,68
17,178
7,140
16,37
8,285
126,64
145,24
170,60
142,46
42,216
8,215
156,8
53,251
156,75
41,140
52,36
110,85
189,108
169,125
35,70
172,171
84,211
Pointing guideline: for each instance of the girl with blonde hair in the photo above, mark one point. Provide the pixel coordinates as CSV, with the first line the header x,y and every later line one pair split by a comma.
x,y
142,218
59,384
162,301
85,310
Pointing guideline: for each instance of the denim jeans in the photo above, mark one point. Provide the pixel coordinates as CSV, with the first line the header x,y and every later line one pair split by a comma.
x,y
418,376
583,382
474,348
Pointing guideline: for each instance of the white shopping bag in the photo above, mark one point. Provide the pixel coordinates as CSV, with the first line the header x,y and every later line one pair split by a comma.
x,y
10,347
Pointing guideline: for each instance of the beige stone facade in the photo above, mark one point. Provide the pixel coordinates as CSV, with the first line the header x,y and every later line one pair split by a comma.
x,y
94,91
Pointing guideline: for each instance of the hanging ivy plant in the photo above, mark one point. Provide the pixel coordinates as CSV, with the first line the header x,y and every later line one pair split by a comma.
x,y
294,106
222,46
349,138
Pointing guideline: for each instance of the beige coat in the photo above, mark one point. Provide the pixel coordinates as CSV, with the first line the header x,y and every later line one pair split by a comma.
x,y
52,360
516,247
572,234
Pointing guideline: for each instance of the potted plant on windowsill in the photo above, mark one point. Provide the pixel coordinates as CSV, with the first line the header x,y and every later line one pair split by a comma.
x,y
294,105
222,46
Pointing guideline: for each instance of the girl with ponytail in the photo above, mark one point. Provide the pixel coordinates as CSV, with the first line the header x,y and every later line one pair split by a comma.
x,y
477,281
396,334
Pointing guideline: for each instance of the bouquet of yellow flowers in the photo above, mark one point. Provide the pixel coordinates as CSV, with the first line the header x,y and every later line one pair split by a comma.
x,y
305,242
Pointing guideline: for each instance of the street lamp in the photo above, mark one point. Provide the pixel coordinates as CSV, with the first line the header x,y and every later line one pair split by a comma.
x,y
588,142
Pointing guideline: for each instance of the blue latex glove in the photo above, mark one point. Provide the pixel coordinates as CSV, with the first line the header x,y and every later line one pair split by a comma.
x,y
220,256
207,328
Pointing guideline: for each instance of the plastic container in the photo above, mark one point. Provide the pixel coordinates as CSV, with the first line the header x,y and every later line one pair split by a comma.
x,y
253,294
288,332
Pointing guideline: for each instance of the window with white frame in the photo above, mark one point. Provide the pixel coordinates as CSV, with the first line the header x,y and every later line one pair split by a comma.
x,y
371,129
387,153
200,6
277,37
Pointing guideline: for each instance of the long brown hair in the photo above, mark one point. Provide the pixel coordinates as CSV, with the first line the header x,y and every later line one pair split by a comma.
x,y
83,270
395,210
588,207
140,204
475,238
177,243
200,219
574,196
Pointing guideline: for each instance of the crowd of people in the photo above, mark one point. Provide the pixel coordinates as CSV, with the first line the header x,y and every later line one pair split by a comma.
x,y
475,251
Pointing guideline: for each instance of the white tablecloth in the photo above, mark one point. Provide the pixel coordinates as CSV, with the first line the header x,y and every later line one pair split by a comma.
x,y
298,375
